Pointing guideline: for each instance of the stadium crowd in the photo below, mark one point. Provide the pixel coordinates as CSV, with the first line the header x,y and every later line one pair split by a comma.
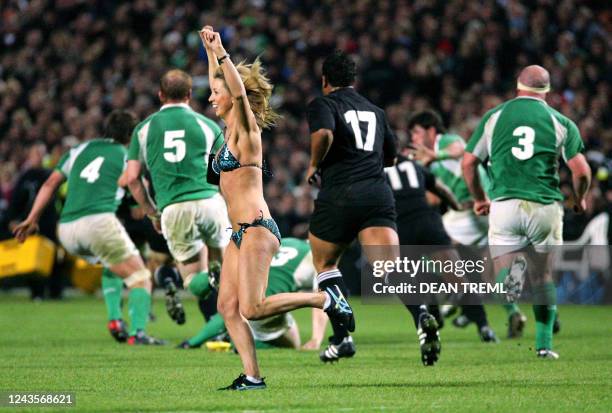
x,y
65,64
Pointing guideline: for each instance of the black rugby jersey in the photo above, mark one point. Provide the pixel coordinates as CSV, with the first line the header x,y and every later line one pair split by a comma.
x,y
363,142
409,182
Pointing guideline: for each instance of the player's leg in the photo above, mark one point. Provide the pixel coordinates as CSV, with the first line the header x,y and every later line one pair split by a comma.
x,y
544,229
256,252
214,327
112,287
236,324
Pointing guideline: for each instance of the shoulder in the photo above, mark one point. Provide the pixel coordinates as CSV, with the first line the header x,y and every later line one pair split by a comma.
x,y
321,101
147,120
561,118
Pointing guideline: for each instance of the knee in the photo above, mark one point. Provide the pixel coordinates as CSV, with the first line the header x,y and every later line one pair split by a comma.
x,y
251,311
228,308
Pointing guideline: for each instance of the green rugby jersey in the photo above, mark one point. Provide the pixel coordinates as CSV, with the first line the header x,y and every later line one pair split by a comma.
x,y
283,276
92,170
449,170
523,139
174,144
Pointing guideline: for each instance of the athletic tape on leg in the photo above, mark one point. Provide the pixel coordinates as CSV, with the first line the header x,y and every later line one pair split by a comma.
x,y
137,277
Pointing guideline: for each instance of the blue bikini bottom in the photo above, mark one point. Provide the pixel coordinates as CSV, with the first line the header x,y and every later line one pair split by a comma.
x,y
267,223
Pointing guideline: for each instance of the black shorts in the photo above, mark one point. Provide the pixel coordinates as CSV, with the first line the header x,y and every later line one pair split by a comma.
x,y
422,229
341,224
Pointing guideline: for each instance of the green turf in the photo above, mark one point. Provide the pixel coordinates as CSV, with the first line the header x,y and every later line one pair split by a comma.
x,y
65,346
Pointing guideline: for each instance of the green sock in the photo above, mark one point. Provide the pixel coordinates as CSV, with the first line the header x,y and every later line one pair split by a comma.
x,y
544,313
199,285
139,303
511,308
213,327
112,286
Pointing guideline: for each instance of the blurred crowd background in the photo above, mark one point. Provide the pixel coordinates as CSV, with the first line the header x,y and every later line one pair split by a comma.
x,y
65,64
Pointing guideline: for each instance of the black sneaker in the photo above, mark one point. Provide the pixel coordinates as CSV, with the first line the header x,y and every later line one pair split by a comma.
x,y
174,306
141,338
429,339
335,352
186,346
242,383
461,321
516,324
339,310
487,335
118,330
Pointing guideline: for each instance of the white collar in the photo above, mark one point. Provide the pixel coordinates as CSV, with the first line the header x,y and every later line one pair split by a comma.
x,y
174,105
532,97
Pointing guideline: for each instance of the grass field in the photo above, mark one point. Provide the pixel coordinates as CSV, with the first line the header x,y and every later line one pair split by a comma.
x,y
64,346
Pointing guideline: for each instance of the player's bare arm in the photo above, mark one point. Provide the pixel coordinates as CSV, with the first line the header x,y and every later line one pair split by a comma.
x,y
446,195
320,142
246,118
581,180
472,179
319,323
46,192
210,54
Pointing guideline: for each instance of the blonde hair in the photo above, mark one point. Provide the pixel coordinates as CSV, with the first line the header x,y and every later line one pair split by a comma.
x,y
258,90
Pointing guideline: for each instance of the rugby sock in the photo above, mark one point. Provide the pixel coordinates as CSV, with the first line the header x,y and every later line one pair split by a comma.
x,y
253,379
330,278
213,328
208,305
544,313
416,311
477,314
139,304
198,284
166,273
327,279
112,286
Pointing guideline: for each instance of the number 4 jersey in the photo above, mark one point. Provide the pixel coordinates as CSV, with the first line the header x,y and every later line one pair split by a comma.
x,y
173,144
523,139
92,170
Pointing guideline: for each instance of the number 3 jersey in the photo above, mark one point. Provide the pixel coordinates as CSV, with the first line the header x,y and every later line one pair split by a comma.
x,y
352,171
92,170
523,139
173,145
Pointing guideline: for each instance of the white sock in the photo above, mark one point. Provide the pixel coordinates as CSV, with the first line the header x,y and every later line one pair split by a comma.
x,y
253,379
327,301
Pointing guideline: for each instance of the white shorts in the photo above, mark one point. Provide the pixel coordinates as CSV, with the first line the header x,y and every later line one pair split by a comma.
x,y
188,225
516,223
98,237
465,227
271,328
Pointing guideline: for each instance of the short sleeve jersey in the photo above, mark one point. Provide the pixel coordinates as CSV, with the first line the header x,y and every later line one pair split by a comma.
x,y
523,139
362,141
173,144
284,274
449,170
409,182
92,170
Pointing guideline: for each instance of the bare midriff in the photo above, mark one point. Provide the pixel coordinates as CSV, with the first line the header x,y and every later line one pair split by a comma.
x,y
242,189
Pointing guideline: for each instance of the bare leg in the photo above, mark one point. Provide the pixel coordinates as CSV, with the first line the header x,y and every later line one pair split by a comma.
x,y
128,267
256,252
228,307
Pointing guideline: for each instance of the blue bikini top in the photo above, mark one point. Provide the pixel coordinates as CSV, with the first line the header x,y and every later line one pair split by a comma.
x,y
226,161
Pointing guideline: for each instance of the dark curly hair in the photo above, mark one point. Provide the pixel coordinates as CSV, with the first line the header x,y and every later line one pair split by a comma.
x,y
119,125
339,69
427,119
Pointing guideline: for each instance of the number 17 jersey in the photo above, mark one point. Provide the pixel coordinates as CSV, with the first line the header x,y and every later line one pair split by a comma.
x,y
352,170
174,144
523,139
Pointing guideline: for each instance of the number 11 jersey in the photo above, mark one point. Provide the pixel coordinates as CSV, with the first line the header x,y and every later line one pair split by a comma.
x,y
523,139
